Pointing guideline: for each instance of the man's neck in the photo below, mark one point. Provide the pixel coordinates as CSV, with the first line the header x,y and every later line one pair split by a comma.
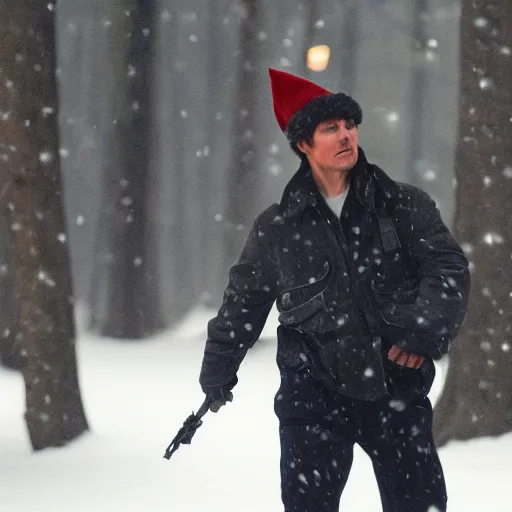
x,y
330,183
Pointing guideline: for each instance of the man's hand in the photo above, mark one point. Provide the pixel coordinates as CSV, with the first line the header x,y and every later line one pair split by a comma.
x,y
398,356
219,396
220,402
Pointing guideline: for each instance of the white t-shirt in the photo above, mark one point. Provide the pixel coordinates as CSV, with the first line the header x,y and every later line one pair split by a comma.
x,y
336,203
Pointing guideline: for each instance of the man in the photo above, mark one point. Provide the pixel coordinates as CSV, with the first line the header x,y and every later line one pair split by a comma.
x,y
370,287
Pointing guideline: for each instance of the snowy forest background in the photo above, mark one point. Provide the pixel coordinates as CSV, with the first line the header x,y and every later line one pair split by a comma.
x,y
138,142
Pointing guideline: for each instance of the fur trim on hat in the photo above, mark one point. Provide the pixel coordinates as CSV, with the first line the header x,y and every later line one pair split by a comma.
x,y
323,108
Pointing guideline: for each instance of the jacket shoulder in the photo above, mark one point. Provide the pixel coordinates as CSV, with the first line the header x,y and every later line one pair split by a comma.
x,y
416,195
412,199
271,216
399,194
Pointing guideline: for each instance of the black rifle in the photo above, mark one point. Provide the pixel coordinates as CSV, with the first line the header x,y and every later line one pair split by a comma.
x,y
187,431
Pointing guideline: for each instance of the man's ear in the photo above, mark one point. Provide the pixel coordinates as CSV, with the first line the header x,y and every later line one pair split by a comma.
x,y
301,146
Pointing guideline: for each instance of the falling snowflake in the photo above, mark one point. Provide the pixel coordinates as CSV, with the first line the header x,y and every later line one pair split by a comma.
x,y
492,238
165,16
392,117
486,83
397,405
303,478
480,22
485,346
45,157
45,278
369,372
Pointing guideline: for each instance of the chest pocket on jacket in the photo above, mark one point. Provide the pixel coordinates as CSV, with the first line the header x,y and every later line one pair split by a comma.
x,y
301,303
389,273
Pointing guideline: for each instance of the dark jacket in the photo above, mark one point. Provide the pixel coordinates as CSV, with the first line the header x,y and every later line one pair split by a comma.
x,y
387,272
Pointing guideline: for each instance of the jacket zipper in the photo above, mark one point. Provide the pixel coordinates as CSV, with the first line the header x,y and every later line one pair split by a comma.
x,y
337,235
345,256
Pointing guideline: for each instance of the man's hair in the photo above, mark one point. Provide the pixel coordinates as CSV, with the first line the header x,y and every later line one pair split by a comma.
x,y
303,123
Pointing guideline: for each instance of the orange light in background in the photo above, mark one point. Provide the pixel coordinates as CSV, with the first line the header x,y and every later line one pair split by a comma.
x,y
317,58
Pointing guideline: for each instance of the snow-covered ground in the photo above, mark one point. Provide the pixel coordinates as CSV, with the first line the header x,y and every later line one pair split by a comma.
x,y
136,396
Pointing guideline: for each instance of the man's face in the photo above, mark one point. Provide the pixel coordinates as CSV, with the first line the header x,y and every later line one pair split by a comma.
x,y
333,146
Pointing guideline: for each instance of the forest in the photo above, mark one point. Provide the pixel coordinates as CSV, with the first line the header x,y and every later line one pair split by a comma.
x,y
138,144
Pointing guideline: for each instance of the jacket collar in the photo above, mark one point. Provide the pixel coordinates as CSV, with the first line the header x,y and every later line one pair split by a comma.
x,y
302,190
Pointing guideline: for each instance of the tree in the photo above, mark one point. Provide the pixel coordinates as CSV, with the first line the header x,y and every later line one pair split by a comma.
x,y
10,349
127,242
349,54
243,191
417,88
30,176
477,398
310,12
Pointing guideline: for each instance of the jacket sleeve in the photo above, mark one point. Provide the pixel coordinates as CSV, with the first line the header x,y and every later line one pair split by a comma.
x,y
247,301
427,325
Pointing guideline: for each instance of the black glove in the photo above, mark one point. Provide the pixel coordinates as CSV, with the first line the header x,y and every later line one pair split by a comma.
x,y
219,396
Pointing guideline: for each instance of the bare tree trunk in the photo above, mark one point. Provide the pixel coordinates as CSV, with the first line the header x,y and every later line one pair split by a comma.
x,y
349,51
244,172
130,255
477,399
10,347
30,174
417,88
310,12
211,248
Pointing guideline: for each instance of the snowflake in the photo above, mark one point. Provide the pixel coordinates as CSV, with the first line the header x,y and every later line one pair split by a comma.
x,y
369,372
303,478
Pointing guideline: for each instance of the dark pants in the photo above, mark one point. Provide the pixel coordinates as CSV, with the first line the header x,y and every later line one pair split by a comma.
x,y
318,429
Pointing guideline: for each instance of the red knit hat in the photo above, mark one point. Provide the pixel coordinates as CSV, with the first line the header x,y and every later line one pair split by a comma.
x,y
300,105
